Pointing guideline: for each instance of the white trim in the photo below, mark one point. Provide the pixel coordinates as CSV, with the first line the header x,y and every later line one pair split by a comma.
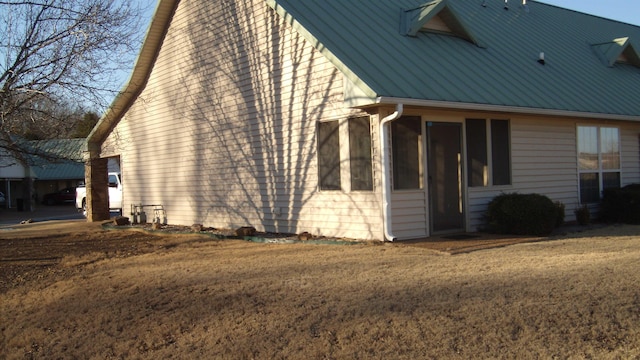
x,y
138,78
384,159
500,108
600,171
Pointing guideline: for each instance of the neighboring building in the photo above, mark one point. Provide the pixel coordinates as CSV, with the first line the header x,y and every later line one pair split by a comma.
x,y
47,166
374,119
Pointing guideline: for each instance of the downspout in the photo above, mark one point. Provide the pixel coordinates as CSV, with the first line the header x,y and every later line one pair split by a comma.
x,y
386,184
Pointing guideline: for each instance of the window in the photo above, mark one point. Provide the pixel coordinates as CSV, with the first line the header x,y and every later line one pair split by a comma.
x,y
329,156
360,154
484,143
598,161
113,180
477,152
407,142
500,152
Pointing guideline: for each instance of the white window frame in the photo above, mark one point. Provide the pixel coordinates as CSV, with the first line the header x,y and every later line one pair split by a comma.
x,y
600,170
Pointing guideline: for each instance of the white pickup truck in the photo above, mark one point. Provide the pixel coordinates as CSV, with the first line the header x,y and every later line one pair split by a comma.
x,y
115,194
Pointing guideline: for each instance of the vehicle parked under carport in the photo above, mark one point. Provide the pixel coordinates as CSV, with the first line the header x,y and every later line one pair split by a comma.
x,y
64,196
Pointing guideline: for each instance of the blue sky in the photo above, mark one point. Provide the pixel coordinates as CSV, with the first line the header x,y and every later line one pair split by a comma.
x,y
622,10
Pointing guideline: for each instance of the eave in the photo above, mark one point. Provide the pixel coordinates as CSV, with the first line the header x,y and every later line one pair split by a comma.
x,y
140,75
392,101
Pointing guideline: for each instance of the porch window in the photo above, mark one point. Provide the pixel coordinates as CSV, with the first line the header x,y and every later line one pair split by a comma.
x,y
488,141
407,145
360,154
329,155
477,161
598,161
500,153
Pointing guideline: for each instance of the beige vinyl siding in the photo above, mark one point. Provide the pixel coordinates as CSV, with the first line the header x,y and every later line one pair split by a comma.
x,y
224,134
409,214
630,152
543,160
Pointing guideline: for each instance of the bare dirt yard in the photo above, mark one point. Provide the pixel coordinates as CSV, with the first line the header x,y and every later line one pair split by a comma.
x,y
74,290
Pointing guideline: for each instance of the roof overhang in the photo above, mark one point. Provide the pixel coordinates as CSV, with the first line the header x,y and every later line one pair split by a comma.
x,y
137,81
392,101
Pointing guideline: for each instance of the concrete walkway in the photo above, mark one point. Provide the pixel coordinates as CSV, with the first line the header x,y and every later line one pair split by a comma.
x,y
40,213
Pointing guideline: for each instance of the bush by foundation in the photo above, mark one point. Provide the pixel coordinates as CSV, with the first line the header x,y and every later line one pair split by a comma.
x,y
524,214
621,205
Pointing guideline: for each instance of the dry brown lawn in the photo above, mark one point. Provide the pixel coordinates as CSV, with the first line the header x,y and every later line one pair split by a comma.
x,y
85,293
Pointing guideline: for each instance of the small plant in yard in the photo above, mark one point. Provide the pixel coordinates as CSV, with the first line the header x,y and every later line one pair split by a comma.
x,y
583,215
559,213
524,214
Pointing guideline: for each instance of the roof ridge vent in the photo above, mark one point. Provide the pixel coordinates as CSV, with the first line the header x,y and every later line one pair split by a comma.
x,y
435,16
619,50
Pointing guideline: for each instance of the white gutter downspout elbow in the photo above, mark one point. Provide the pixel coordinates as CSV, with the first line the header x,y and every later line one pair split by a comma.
x,y
386,183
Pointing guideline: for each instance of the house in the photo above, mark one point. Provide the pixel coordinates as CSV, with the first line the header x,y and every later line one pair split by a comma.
x,y
371,119
46,166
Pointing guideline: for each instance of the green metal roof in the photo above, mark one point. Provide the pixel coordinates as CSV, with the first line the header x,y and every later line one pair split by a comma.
x,y
493,60
611,51
58,159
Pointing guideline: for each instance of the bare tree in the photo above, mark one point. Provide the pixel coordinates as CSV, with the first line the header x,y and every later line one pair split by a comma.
x,y
60,54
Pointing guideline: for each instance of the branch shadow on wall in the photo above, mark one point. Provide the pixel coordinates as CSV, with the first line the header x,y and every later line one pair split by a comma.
x,y
255,98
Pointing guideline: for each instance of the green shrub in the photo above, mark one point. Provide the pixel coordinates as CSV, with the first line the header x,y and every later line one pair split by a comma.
x,y
621,204
524,214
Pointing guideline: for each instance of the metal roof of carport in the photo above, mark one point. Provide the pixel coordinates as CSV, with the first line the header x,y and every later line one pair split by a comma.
x,y
365,41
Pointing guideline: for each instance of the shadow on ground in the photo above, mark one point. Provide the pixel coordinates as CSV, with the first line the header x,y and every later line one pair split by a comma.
x,y
469,242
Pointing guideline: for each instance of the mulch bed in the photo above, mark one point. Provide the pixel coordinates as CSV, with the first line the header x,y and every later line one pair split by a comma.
x,y
450,244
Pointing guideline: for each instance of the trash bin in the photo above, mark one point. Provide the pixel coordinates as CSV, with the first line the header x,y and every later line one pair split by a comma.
x,y
20,204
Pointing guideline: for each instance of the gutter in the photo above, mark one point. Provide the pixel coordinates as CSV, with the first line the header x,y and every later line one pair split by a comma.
x,y
386,184
502,108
